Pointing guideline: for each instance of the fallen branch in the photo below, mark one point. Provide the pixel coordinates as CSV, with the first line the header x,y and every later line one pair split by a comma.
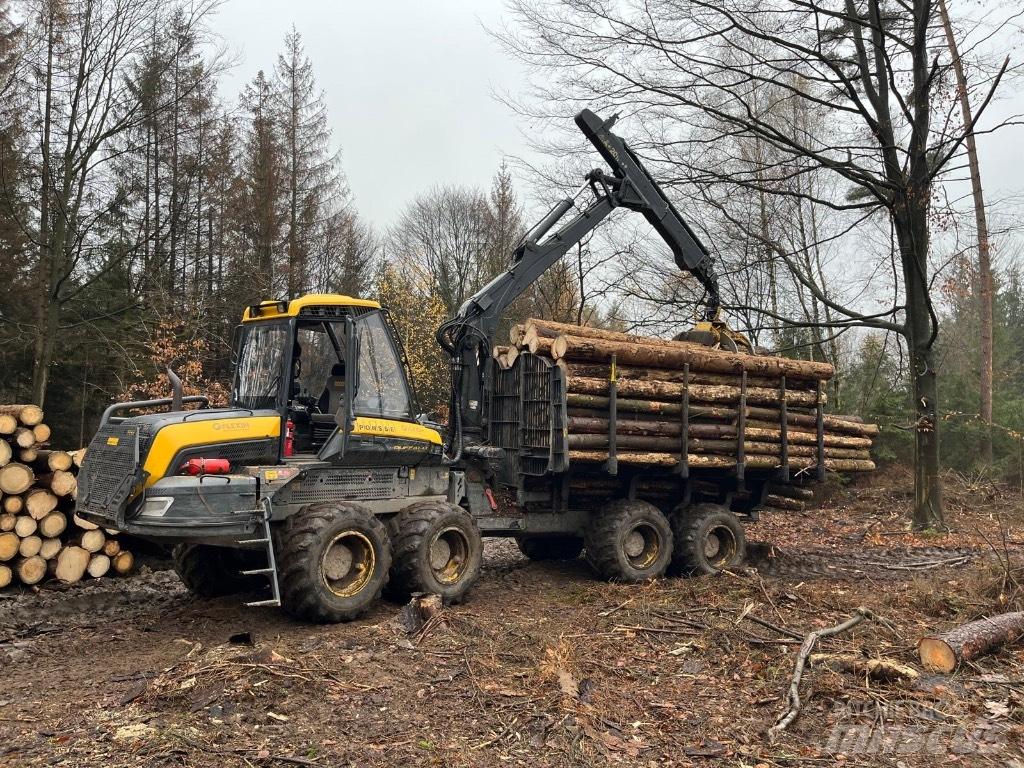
x,y
810,641
877,669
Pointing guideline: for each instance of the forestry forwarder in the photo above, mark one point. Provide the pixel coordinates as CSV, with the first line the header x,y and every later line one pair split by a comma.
x,y
321,478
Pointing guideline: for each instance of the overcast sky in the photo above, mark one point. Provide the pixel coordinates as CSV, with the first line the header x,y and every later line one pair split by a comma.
x,y
410,86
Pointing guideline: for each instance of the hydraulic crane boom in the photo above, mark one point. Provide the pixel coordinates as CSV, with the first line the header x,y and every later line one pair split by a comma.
x,y
468,336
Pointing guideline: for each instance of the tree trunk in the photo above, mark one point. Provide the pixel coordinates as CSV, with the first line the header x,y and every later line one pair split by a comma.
x,y
985,282
704,393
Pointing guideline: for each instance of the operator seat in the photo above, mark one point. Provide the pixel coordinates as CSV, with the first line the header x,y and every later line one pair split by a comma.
x,y
328,404
334,390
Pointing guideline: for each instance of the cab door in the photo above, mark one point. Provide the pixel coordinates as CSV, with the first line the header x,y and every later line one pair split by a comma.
x,y
381,428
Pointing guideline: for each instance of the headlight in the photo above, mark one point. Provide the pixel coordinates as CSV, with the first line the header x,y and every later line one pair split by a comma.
x,y
155,506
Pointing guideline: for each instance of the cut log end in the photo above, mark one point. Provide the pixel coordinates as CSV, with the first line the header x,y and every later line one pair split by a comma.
x,y
937,655
123,562
30,570
98,566
71,564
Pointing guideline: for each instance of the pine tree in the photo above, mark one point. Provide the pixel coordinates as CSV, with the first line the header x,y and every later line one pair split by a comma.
x,y
264,196
315,191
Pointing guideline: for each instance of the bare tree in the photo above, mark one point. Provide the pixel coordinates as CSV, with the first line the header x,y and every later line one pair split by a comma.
x,y
446,232
692,69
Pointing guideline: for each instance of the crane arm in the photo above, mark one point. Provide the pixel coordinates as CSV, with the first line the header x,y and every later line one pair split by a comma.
x,y
468,336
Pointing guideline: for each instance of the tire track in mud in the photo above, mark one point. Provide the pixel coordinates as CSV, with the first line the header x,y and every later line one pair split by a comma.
x,y
876,563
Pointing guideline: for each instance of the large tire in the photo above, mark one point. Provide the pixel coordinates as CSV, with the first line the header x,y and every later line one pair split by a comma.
x,y
629,541
333,561
708,539
559,547
213,571
438,551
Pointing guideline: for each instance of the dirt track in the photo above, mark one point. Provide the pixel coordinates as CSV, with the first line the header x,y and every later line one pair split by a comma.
x,y
541,666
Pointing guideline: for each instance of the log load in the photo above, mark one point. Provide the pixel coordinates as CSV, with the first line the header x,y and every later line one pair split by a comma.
x,y
39,535
775,404
946,651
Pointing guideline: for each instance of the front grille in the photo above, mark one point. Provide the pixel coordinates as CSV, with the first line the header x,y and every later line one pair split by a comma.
x,y
110,471
330,484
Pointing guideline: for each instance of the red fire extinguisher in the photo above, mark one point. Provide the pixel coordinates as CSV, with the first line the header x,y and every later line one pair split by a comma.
x,y
289,438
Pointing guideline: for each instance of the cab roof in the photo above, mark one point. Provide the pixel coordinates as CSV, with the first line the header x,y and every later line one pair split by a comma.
x,y
275,308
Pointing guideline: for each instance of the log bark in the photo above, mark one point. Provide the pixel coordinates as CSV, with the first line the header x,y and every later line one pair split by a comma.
x,y
50,549
71,564
8,424
704,461
944,652
13,504
792,491
59,483
98,566
29,415
783,502
674,375
5,453
41,432
15,478
9,543
30,570
7,521
23,437
30,546
123,562
53,525
6,576
91,541
699,445
701,393
54,461
25,526
39,503
592,425
697,357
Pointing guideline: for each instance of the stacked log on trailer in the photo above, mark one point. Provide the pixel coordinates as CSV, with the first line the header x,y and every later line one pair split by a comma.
x,y
40,536
647,402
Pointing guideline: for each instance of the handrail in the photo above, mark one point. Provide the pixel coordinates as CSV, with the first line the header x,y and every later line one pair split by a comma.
x,y
132,405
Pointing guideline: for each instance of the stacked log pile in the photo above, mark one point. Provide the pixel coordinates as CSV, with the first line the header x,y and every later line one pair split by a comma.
x,y
40,536
773,402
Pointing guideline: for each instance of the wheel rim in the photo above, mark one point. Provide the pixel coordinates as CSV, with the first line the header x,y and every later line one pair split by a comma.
x,y
720,546
448,555
641,545
348,563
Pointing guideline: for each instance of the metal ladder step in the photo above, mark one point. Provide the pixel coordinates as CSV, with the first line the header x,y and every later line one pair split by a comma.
x,y
271,570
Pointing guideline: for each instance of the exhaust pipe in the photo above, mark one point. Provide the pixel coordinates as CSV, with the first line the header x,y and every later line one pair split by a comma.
x,y
176,390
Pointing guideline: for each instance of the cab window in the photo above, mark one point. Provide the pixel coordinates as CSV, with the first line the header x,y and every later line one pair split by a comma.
x,y
260,363
382,388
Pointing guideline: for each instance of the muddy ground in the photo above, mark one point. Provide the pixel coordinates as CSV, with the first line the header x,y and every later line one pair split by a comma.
x,y
543,665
